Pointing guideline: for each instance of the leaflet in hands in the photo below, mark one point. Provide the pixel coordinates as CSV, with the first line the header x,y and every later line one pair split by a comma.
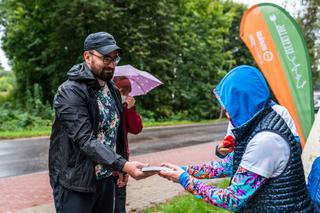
x,y
155,169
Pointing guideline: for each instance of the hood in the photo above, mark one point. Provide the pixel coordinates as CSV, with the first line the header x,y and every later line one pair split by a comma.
x,y
82,73
243,92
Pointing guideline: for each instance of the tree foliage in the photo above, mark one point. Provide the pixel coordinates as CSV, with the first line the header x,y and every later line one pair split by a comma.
x,y
309,20
7,85
187,44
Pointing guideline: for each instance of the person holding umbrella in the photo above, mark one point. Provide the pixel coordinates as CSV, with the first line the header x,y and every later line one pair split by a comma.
x,y
130,82
133,124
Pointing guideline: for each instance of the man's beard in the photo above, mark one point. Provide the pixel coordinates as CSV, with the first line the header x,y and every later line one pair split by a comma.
x,y
105,74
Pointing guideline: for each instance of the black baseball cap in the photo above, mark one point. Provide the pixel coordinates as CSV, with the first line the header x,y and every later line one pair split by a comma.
x,y
102,42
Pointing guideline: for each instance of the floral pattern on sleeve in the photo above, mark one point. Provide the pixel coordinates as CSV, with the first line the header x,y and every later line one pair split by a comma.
x,y
213,169
243,186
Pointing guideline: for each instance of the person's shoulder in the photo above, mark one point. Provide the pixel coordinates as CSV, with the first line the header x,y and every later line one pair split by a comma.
x,y
286,116
73,85
316,165
269,141
281,110
71,88
317,160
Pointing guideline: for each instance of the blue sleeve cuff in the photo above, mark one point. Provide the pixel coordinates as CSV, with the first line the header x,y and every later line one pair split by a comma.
x,y
183,178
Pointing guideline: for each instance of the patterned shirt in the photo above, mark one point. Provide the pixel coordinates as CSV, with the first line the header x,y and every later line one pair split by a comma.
x,y
109,119
242,187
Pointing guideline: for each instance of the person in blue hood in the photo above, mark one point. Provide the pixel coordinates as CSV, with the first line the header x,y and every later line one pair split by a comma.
x,y
265,167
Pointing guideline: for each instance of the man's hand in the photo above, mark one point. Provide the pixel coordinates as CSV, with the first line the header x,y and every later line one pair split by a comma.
x,y
133,168
173,175
122,180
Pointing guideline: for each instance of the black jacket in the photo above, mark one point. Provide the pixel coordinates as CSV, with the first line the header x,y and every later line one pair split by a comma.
x,y
74,150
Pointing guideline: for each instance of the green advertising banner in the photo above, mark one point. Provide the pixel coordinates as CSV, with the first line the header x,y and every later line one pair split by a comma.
x,y
279,48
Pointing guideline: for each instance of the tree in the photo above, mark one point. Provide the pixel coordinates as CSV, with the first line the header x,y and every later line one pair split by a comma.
x,y
239,51
7,85
309,21
205,38
182,42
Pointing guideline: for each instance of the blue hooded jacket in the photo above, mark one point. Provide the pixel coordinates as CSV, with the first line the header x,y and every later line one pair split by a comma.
x,y
245,96
314,184
250,94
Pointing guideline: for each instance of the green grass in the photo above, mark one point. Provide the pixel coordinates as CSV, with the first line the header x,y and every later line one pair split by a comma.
x,y
188,204
174,122
24,133
46,131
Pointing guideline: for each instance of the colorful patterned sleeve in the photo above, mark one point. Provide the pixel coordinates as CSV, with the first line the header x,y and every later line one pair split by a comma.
x,y
243,185
214,169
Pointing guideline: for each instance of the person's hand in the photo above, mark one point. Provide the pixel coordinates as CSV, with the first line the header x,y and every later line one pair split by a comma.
x,y
133,168
222,150
122,180
173,175
130,102
227,145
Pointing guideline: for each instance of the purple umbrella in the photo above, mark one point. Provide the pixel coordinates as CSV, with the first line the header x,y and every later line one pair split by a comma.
x,y
141,82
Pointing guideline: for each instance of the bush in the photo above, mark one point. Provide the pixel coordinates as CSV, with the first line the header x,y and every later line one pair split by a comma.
x,y
12,119
35,106
7,86
30,114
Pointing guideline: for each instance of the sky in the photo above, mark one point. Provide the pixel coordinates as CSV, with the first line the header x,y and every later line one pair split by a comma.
x,y
3,59
5,63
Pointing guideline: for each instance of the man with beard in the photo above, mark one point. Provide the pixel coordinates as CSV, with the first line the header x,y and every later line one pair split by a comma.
x,y
88,138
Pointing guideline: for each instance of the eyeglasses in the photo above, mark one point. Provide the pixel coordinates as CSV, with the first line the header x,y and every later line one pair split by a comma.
x,y
107,59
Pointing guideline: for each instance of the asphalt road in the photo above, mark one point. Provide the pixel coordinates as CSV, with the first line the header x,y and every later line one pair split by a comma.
x,y
24,156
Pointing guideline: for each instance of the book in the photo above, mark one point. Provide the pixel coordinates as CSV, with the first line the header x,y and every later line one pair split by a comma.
x,y
155,169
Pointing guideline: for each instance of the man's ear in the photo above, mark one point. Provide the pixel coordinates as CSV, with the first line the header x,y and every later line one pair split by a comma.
x,y
86,56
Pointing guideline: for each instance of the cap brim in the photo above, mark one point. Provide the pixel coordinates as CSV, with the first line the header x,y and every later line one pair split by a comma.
x,y
105,50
